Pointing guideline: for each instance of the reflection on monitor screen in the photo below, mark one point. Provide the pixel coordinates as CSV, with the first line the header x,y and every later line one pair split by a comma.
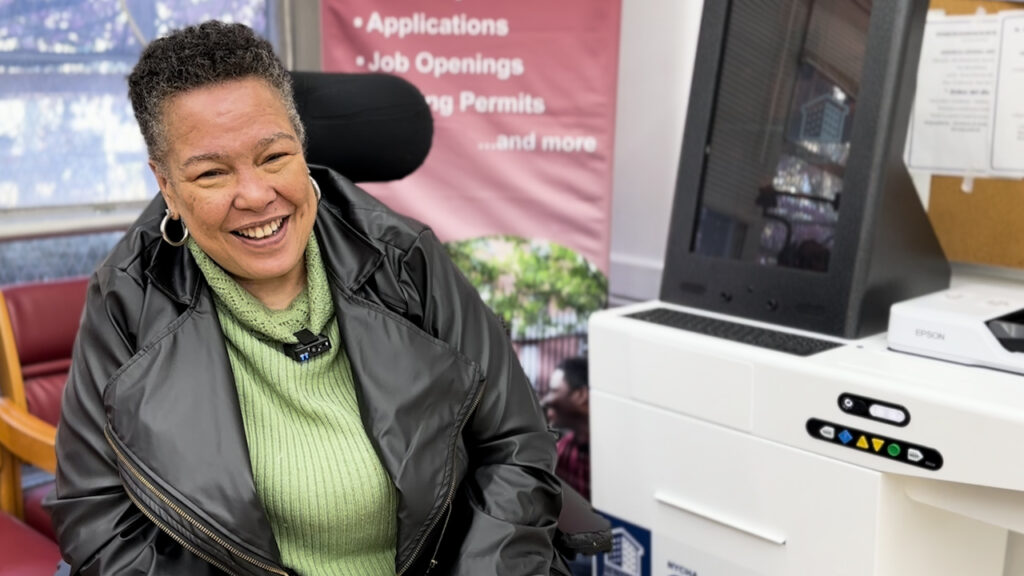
x,y
778,146
793,205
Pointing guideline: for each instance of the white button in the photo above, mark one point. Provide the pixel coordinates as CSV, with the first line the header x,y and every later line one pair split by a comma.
x,y
827,432
914,455
887,413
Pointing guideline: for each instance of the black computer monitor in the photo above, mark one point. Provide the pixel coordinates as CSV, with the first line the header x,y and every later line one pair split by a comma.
x,y
792,203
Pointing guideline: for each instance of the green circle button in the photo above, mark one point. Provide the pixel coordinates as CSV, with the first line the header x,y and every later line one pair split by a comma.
x,y
894,449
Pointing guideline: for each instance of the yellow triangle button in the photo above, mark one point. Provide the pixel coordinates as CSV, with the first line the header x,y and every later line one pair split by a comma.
x,y
877,443
862,443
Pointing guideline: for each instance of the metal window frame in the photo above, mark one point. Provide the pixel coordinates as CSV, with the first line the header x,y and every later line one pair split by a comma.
x,y
300,34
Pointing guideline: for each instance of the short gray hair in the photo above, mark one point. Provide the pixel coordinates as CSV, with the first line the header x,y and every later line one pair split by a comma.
x,y
197,56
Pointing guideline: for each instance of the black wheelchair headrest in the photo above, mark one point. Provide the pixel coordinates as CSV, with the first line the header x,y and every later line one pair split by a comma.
x,y
367,127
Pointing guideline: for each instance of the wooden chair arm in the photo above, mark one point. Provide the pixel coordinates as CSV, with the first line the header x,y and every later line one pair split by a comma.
x,y
30,439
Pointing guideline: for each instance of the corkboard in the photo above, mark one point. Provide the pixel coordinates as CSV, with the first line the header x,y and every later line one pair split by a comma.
x,y
987,225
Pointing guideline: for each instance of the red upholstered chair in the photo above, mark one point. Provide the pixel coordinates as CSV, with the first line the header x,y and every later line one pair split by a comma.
x,y
25,552
38,324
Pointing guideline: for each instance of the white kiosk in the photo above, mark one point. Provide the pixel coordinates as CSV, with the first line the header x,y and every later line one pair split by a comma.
x,y
754,421
733,455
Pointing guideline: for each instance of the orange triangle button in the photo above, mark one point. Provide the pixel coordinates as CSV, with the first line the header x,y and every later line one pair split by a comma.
x,y
862,443
877,443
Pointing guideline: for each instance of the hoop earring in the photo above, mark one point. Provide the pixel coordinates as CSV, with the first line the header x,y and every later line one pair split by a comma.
x,y
163,230
316,188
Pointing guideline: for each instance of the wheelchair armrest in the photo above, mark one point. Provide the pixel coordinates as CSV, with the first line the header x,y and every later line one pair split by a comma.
x,y
580,529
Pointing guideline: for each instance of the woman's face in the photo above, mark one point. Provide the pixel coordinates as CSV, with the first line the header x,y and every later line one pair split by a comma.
x,y
236,175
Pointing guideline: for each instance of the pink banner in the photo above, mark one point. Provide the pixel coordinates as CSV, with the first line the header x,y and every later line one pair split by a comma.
x,y
523,95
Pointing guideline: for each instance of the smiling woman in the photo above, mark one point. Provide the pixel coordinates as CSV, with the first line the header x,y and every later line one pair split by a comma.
x,y
233,171
284,382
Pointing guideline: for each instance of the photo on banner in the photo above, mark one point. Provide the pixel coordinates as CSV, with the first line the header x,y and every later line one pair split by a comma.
x,y
518,180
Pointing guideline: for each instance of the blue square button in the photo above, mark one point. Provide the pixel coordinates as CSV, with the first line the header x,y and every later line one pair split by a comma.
x,y
845,436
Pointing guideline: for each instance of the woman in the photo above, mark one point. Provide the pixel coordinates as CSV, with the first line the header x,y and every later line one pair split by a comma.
x,y
270,383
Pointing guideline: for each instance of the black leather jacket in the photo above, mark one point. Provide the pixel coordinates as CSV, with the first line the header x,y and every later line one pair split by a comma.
x,y
153,472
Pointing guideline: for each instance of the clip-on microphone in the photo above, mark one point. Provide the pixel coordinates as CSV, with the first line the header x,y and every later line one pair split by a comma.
x,y
309,346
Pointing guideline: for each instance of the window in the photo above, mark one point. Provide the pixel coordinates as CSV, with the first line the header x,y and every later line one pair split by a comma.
x,y
72,158
67,133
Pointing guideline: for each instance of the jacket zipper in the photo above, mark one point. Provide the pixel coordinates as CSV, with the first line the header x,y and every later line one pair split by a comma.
x,y
177,509
437,547
448,499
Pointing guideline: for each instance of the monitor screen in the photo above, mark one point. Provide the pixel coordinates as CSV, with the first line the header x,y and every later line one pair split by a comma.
x,y
779,136
792,202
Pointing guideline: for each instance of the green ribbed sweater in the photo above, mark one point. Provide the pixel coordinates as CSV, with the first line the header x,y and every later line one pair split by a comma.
x,y
330,503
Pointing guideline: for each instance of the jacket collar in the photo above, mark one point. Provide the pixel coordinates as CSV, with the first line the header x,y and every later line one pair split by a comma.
x,y
347,251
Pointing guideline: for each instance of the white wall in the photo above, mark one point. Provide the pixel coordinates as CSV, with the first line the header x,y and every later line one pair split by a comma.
x,y
658,45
